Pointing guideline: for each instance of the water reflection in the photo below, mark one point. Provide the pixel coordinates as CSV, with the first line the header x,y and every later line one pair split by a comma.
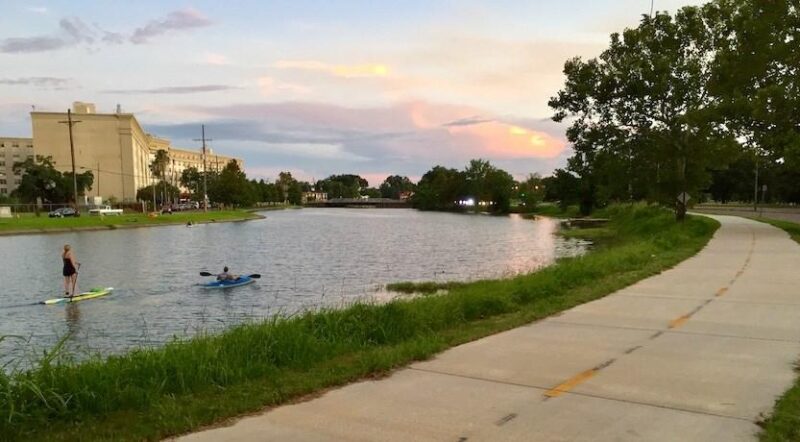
x,y
306,258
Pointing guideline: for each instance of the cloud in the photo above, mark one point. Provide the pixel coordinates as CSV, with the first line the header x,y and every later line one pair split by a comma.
x,y
38,9
174,21
469,121
72,31
405,138
40,82
269,86
215,59
346,71
175,89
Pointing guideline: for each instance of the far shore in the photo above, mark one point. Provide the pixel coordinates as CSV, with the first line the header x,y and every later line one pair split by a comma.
x,y
31,225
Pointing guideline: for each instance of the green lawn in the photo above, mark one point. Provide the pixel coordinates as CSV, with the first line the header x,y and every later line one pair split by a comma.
x,y
29,222
784,423
150,394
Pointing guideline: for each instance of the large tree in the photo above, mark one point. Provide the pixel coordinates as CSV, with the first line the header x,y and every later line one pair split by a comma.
x,y
393,185
343,186
232,187
643,110
41,180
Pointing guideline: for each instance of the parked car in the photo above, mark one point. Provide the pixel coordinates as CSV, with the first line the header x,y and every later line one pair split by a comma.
x,y
105,210
63,212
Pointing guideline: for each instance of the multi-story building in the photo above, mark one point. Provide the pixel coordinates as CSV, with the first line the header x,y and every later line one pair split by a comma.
x,y
114,147
12,150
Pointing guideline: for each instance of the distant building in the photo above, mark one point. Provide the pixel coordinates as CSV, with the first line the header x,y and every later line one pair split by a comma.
x,y
12,150
405,195
314,197
115,148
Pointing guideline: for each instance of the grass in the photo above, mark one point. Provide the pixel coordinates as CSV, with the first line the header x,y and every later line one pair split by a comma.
x,y
30,223
784,423
426,287
555,211
150,394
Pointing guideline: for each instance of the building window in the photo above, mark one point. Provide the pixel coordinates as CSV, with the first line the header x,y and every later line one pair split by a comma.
x,y
3,190
17,182
2,164
2,181
15,145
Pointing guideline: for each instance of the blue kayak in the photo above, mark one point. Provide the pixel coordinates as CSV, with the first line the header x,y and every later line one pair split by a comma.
x,y
240,281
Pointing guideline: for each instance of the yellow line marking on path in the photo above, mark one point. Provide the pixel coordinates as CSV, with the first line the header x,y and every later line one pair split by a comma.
x,y
677,322
571,383
722,291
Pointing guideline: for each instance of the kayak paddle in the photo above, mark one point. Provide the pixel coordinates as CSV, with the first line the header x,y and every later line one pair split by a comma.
x,y
254,275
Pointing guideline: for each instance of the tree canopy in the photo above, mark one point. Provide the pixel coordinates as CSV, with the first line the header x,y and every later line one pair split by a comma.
x,y
40,179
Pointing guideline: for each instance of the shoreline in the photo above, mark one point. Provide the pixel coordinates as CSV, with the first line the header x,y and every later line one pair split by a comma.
x,y
102,227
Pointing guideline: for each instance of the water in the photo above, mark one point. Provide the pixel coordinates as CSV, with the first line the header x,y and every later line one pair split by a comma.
x,y
307,258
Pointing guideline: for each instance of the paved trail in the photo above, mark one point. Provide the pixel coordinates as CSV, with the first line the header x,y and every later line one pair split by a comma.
x,y
696,353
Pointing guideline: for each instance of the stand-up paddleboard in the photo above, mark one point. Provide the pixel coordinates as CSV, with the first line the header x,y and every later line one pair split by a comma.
x,y
91,294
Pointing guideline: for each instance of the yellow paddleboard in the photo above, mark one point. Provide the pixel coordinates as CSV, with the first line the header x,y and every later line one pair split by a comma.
x,y
91,294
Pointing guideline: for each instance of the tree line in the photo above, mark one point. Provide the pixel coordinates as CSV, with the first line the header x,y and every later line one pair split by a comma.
x,y
699,102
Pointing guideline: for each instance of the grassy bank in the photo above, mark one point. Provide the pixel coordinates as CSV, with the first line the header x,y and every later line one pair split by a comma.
x,y
784,423
29,223
150,394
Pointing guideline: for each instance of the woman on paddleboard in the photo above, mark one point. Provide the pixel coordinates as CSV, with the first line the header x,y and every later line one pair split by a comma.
x,y
70,272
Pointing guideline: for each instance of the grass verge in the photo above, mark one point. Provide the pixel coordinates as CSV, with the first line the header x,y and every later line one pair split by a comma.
x,y
784,423
152,394
30,223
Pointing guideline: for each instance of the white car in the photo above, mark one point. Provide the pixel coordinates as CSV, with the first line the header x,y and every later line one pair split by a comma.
x,y
105,210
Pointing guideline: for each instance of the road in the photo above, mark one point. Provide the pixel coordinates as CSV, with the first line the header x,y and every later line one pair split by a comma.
x,y
697,353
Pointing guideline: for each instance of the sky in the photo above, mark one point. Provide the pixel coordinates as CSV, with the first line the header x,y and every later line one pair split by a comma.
x,y
315,87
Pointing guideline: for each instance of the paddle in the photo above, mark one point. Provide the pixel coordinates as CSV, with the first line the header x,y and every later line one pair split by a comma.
x,y
254,275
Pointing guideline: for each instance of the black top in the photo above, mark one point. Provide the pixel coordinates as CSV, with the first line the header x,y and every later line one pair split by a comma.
x,y
69,269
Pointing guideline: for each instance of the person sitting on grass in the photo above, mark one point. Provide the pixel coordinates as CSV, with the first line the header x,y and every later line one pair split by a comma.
x,y
226,276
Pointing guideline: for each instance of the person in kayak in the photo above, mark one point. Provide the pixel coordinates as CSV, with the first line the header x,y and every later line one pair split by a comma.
x,y
226,276
70,271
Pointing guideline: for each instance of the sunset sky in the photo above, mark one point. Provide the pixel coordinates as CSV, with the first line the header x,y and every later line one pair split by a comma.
x,y
315,87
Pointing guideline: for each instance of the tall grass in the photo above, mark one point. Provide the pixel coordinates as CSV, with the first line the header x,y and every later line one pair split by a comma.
x,y
153,393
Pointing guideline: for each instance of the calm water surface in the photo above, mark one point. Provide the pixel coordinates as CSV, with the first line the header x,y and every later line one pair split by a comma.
x,y
307,258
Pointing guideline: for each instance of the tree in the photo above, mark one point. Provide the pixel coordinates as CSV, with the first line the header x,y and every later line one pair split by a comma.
x,y
756,75
192,179
343,186
285,183
440,189
159,169
530,192
644,108
40,179
371,192
159,190
393,185
232,187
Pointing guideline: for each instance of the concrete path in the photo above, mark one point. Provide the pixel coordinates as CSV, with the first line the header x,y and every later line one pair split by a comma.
x,y
697,353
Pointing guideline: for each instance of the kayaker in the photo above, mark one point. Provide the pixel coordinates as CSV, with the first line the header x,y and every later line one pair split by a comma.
x,y
70,271
225,276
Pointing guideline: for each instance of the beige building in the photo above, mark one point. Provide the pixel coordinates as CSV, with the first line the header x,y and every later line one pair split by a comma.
x,y
12,150
114,147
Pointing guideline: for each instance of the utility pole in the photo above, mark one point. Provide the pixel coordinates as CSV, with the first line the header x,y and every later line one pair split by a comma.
x,y
70,122
98,178
205,172
652,4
